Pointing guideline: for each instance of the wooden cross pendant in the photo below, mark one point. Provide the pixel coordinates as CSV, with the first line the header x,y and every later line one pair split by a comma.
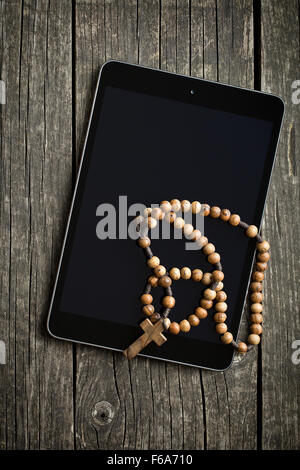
x,y
152,333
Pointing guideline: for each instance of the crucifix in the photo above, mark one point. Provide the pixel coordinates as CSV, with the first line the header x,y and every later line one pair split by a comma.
x,y
151,333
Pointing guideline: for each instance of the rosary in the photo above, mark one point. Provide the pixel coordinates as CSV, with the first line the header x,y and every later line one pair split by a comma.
x,y
213,296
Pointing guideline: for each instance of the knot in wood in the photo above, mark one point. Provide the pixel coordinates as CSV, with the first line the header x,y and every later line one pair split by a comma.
x,y
103,413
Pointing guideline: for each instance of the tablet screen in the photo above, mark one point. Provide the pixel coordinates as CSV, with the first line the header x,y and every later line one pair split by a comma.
x,y
148,149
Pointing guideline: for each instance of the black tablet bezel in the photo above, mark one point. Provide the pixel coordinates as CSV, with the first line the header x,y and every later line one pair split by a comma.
x,y
87,330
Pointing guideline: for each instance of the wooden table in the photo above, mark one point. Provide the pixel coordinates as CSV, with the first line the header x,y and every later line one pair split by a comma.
x,y
55,395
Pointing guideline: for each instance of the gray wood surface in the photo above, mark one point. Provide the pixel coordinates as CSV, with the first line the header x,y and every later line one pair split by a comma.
x,y
280,377
36,384
55,395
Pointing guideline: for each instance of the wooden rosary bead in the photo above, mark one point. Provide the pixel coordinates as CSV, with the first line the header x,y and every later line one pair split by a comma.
x,y
219,287
227,338
242,347
201,312
221,296
187,230
209,294
179,223
186,273
261,267
253,339
153,281
162,215
256,297
165,206
258,276
220,317
205,303
215,212
168,301
256,328
209,249
153,262
221,307
147,212
221,328
175,205
263,257
185,326
193,320
170,217
165,281
195,235
256,308
263,247
166,323
202,242
197,275
155,317
205,209
252,231
152,223
214,258
196,207
148,310
157,213
185,206
217,275
175,274
174,328
234,220
159,271
144,242
146,299
256,318
255,287
225,215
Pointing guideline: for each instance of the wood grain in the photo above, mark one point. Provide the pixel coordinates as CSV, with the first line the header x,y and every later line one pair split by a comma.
x,y
280,377
36,406
222,49
54,395
104,30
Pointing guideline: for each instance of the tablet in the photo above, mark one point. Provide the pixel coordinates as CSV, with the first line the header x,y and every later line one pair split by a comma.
x,y
156,136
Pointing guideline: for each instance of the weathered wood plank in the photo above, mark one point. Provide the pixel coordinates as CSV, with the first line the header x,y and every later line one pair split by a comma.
x,y
187,423
222,49
89,47
105,416
280,377
36,387
204,49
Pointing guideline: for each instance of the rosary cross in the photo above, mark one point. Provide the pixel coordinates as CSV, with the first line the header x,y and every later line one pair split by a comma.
x,y
152,333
